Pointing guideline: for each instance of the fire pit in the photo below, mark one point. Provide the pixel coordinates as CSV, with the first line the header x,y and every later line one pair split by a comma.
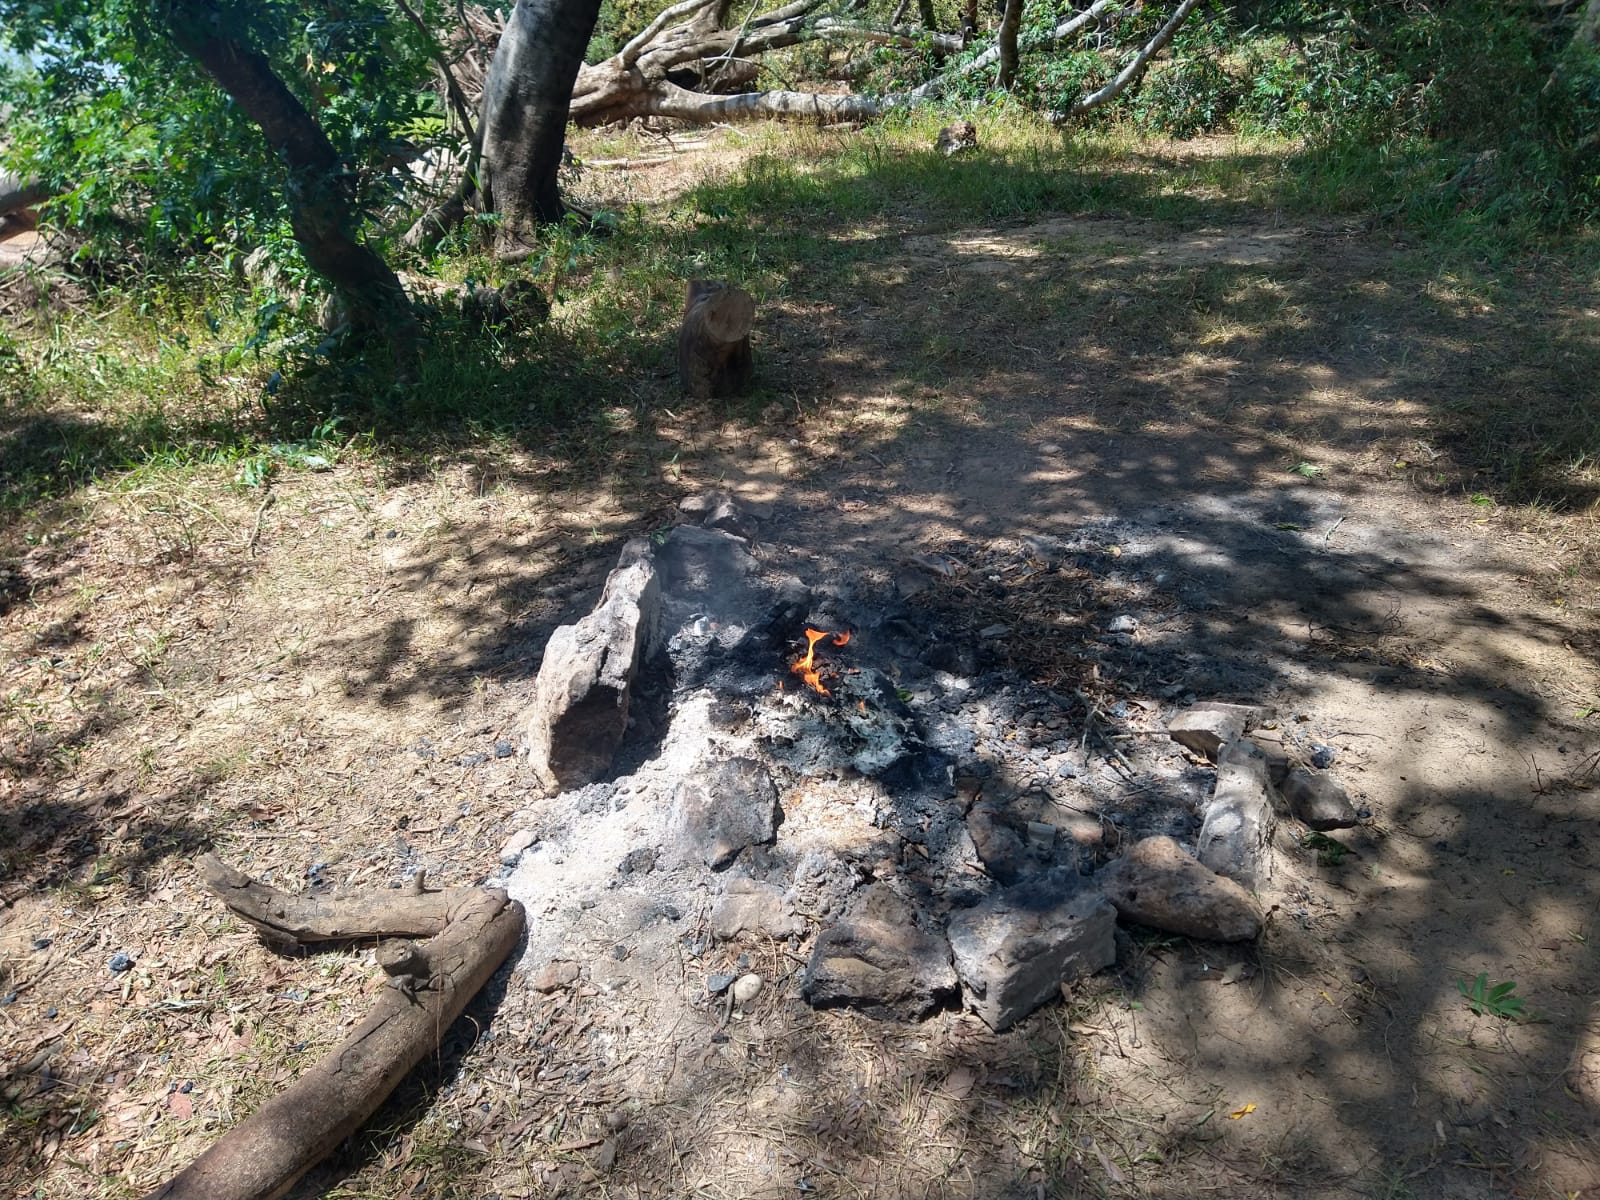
x,y
734,759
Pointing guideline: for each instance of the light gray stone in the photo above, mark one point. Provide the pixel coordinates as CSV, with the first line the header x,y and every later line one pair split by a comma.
x,y
887,971
511,851
585,685
754,907
1236,828
1014,950
1319,800
725,809
1205,728
1158,885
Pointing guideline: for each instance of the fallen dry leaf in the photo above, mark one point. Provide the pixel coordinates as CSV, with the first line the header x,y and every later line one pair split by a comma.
x,y
1241,1112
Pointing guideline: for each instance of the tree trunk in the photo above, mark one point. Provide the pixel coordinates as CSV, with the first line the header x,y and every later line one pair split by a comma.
x,y
1010,23
526,99
969,20
926,14
714,342
321,199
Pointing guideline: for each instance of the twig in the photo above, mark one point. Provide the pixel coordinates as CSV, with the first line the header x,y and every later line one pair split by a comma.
x,y
255,532
1331,531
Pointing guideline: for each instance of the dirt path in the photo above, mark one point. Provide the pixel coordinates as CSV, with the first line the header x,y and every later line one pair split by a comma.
x,y
325,687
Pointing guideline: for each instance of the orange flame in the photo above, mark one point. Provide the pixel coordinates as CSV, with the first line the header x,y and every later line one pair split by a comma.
x,y
807,667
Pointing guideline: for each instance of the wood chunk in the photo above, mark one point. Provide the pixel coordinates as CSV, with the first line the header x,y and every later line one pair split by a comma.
x,y
714,357
265,1155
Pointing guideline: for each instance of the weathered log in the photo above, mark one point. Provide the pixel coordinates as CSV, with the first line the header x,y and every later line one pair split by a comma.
x,y
714,343
264,1156
297,919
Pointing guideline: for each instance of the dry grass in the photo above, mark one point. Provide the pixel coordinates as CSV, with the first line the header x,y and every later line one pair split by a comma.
x,y
303,672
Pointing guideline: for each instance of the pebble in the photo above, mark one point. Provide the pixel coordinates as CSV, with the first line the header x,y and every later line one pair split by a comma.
x,y
746,988
119,963
511,852
504,749
719,982
42,943
1322,757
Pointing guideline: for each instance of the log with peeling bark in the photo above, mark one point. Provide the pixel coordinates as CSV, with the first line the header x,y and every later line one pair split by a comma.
x,y
265,1155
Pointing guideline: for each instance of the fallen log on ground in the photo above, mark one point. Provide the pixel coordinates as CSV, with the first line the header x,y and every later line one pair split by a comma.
x,y
430,985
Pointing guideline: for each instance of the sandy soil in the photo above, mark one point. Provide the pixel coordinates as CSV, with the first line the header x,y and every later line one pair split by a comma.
x,y
317,687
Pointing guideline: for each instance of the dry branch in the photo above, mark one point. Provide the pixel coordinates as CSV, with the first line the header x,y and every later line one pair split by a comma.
x,y
296,919
265,1155
1134,69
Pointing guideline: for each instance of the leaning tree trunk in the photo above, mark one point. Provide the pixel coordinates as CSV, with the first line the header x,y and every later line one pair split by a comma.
x,y
1588,31
321,200
1009,25
526,99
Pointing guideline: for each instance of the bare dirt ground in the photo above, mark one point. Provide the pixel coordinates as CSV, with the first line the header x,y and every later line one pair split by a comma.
x,y
321,683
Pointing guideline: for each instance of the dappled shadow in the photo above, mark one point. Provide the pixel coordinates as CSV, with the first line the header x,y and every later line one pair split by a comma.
x,y
1140,389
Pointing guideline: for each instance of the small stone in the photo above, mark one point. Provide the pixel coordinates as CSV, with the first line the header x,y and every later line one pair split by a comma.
x,y
1041,837
638,862
990,632
1319,801
504,749
1015,949
1123,624
746,988
554,976
120,963
1322,756
1157,885
719,982
515,845
43,943
620,952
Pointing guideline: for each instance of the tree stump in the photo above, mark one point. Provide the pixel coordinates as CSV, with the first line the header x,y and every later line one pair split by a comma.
x,y
714,343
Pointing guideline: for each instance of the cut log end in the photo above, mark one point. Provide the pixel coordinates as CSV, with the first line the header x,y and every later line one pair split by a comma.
x,y
714,357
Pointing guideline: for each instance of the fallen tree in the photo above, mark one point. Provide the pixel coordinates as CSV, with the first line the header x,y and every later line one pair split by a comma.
x,y
472,931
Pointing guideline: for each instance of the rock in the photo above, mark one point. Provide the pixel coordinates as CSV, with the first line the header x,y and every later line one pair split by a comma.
x,y
887,971
701,503
1204,728
1015,948
757,907
1279,761
120,963
1123,624
554,976
718,983
1236,830
1322,756
746,988
1319,801
504,749
580,704
1158,885
511,852
1041,838
729,517
638,862
994,631
999,846
722,811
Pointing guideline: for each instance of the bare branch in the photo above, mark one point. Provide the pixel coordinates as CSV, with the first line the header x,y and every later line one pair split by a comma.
x,y
1134,69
